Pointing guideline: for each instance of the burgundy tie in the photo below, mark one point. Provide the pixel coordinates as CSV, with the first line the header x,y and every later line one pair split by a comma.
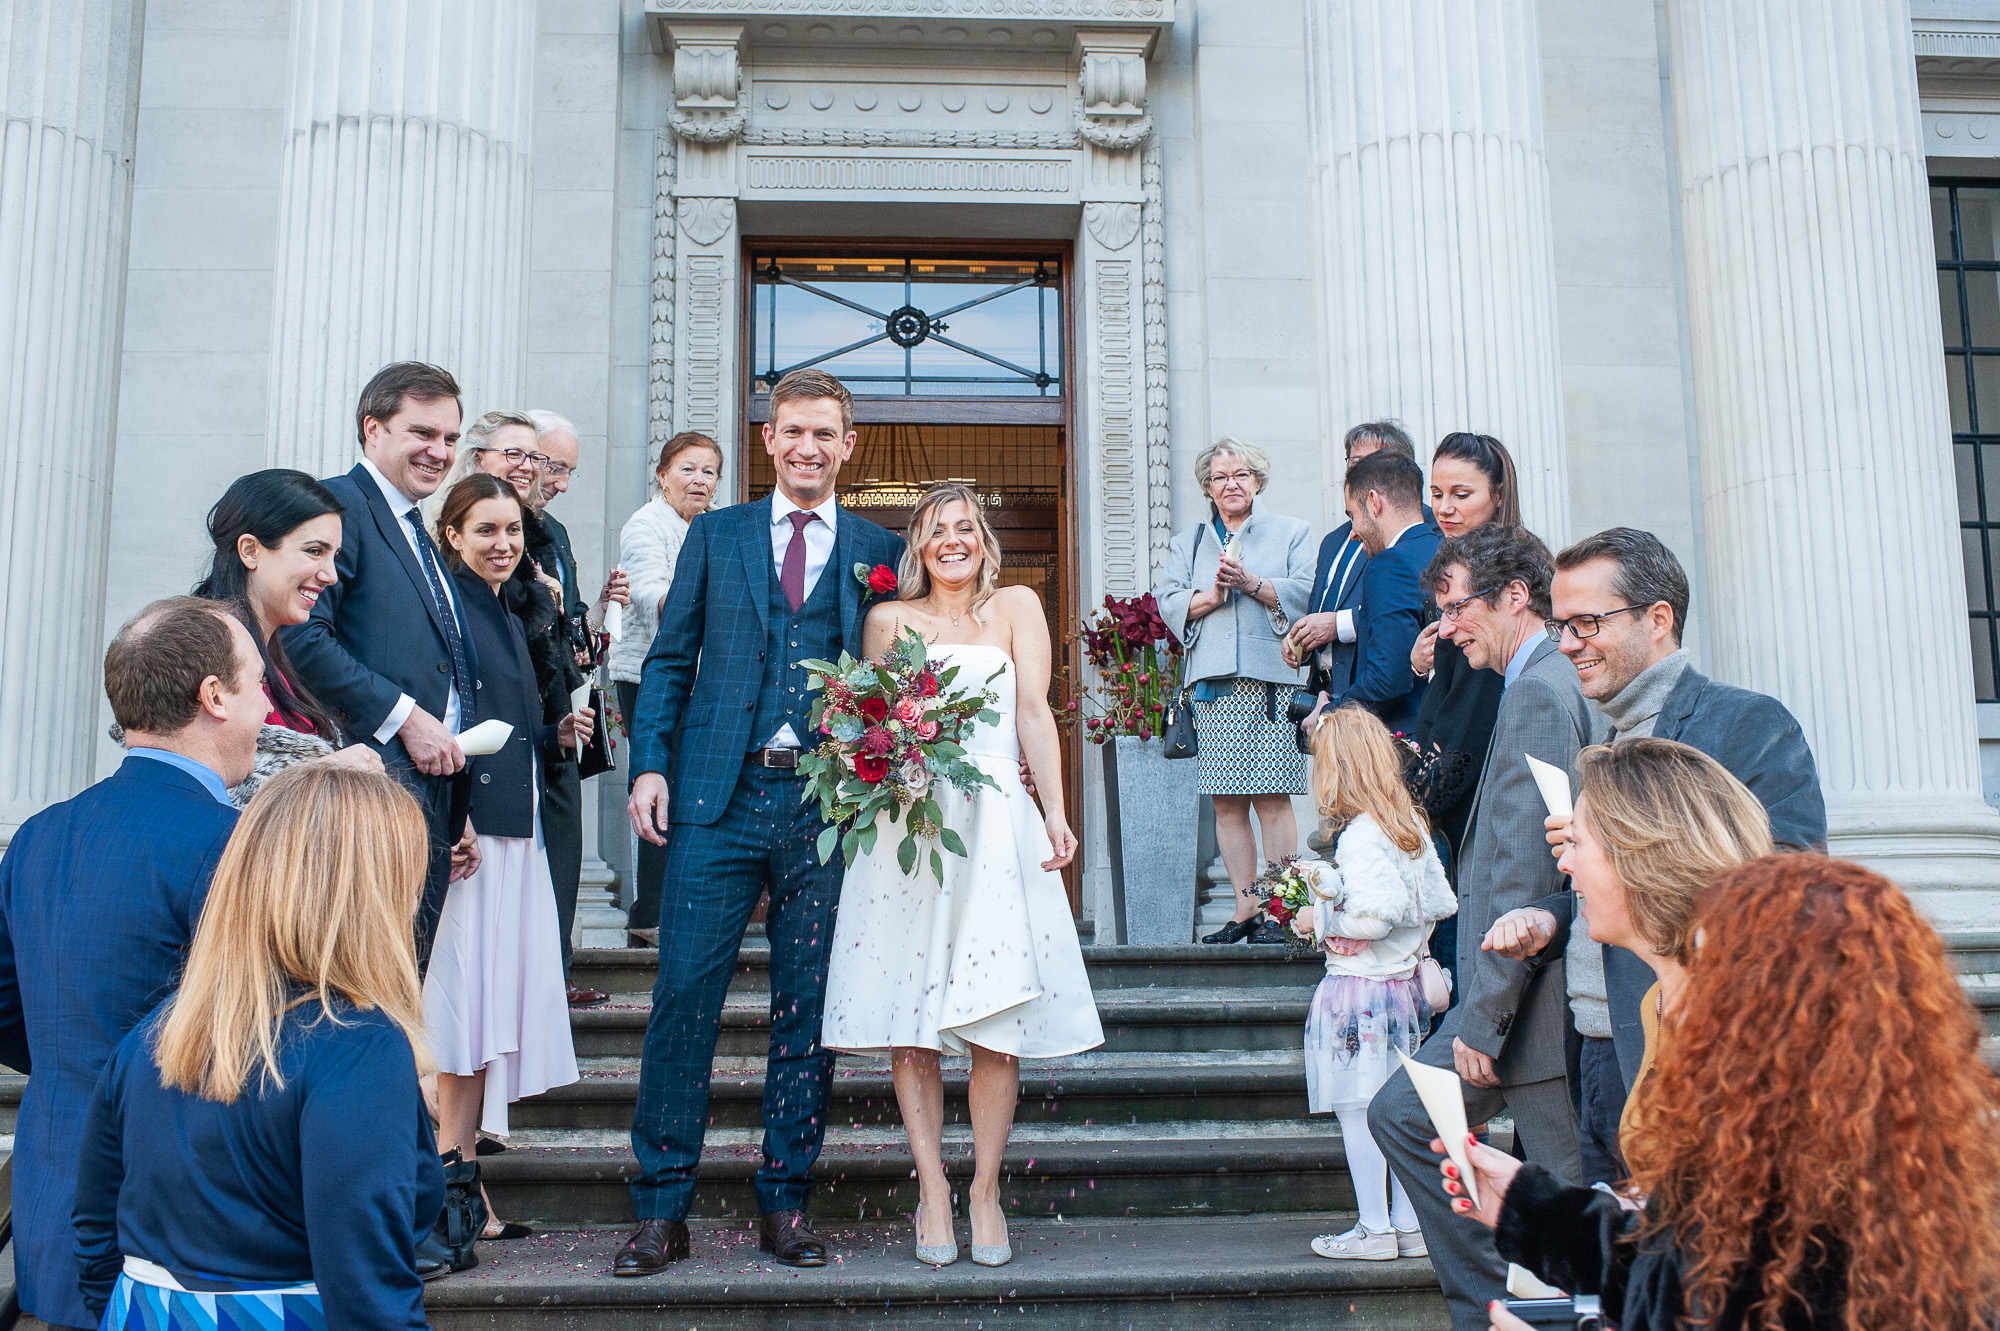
x,y
792,577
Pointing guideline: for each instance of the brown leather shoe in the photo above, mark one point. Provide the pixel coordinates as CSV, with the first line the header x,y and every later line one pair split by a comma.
x,y
648,1252
586,997
788,1236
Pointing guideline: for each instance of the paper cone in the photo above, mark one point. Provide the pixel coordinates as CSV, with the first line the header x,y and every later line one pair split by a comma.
x,y
1443,1095
614,621
1554,783
488,737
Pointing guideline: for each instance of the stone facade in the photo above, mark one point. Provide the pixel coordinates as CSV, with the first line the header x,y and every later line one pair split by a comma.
x,y
1524,216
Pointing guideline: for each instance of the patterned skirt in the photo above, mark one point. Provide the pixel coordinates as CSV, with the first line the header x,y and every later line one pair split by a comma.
x,y
1353,1030
137,1306
1242,751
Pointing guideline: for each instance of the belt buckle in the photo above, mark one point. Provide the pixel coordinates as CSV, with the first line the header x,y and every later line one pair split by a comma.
x,y
784,760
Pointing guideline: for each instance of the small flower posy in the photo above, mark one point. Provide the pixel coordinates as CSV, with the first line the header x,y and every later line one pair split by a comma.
x,y
890,734
877,581
1290,887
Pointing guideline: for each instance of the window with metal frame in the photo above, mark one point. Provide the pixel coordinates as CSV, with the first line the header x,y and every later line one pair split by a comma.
x,y
910,325
1965,219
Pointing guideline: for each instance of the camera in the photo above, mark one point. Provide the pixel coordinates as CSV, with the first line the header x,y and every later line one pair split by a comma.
x,y
1581,1313
1298,707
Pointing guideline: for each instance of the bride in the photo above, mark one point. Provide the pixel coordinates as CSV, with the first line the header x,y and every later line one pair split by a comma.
x,y
987,962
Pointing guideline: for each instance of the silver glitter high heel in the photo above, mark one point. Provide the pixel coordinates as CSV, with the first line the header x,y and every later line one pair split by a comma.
x,y
939,1254
993,1254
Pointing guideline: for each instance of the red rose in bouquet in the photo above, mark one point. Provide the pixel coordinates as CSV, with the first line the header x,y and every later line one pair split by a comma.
x,y
870,767
927,685
875,709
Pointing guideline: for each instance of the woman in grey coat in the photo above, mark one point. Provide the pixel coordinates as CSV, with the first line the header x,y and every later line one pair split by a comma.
x,y
1231,588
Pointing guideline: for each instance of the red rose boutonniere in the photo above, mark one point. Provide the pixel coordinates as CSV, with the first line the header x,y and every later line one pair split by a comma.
x,y
877,581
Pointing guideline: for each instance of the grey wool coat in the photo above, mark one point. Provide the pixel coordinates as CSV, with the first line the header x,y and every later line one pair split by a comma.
x,y
1240,638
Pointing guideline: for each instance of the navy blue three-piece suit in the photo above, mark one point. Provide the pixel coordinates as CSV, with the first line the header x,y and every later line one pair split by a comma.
x,y
722,678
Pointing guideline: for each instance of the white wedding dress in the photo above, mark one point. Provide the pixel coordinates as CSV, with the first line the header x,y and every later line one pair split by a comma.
x,y
989,958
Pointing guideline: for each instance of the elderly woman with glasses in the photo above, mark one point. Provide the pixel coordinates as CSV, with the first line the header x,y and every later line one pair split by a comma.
x,y
1233,584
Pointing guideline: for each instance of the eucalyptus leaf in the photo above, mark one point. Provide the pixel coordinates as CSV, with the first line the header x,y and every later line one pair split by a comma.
x,y
868,839
906,854
937,866
827,841
953,842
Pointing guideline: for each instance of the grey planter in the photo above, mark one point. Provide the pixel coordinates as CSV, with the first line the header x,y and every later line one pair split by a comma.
x,y
1155,817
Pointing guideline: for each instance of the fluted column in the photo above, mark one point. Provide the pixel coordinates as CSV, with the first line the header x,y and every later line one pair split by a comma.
x,y
1435,260
69,82
403,230
1827,491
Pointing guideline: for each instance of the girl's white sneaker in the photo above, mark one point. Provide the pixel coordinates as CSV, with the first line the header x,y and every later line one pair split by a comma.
x,y
1357,1245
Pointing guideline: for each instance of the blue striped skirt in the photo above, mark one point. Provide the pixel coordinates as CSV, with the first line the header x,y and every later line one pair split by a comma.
x,y
140,1306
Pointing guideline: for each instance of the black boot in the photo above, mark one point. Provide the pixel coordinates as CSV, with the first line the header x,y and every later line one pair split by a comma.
x,y
1235,931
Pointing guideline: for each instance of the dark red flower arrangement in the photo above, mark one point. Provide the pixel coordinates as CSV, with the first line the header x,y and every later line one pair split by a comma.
x,y
1137,658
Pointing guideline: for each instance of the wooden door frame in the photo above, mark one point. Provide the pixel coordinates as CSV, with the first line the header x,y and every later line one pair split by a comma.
x,y
753,411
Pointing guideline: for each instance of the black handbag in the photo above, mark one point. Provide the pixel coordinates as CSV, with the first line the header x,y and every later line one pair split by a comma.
x,y
1177,728
595,760
463,1219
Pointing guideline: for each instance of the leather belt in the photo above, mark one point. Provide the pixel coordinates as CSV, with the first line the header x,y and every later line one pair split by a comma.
x,y
785,760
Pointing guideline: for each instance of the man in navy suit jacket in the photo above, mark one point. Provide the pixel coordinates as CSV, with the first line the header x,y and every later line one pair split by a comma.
x,y
722,717
98,899
1385,504
1329,625
387,645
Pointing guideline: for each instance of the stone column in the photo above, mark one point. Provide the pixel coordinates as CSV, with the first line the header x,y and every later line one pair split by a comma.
x,y
1435,260
1827,488
403,232
69,82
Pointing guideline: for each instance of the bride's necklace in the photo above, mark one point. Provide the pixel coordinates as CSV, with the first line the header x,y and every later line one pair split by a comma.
x,y
949,615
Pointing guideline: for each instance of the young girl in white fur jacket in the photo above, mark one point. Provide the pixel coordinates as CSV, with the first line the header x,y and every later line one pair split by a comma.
x,y
1374,908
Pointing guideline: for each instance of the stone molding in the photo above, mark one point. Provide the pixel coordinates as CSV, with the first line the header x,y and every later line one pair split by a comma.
x,y
910,175
1003,140
707,220
708,81
1113,224
1159,438
1144,11
1116,407
660,361
1962,133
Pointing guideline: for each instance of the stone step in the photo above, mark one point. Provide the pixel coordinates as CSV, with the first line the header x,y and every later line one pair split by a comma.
x,y
864,1173
1178,1019
1194,966
1105,1088
1205,1274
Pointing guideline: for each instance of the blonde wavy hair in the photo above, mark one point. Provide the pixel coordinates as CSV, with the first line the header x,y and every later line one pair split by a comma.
x,y
1357,768
1671,819
315,893
913,580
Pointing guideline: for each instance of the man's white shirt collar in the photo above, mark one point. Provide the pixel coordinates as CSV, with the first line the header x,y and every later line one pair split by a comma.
x,y
1405,532
399,503
782,507
1519,660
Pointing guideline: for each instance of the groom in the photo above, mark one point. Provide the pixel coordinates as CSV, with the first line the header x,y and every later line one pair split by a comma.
x,y
720,723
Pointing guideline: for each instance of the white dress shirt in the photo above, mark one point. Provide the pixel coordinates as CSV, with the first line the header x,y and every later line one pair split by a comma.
x,y
1343,620
819,549
400,504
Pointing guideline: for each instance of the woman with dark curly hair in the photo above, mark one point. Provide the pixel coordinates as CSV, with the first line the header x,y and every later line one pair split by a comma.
x,y
1814,1148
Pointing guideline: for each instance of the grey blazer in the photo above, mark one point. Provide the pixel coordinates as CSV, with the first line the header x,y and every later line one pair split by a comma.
x,y
1515,1012
1241,637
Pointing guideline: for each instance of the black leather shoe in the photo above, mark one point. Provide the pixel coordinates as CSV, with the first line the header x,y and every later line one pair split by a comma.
x,y
648,1252
788,1236
1235,931
1270,932
436,1258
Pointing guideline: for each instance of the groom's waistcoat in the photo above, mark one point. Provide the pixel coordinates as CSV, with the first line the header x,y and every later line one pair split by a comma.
x,y
793,636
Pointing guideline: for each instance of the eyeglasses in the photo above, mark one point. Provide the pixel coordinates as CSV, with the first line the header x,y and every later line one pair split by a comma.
x,y
1453,610
1240,477
1587,626
558,470
515,456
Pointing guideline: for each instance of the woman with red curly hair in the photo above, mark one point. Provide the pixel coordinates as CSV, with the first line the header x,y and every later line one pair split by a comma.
x,y
1818,1145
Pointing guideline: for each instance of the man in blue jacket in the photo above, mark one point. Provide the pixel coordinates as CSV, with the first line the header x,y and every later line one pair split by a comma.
x,y
98,900
1385,503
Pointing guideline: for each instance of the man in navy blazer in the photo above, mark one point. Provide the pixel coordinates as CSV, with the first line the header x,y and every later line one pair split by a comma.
x,y
1326,633
387,645
1385,505
722,718
98,899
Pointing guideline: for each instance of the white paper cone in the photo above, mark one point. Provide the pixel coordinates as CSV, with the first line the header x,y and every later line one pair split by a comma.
x,y
1524,1284
488,737
614,621
579,698
1554,783
1443,1095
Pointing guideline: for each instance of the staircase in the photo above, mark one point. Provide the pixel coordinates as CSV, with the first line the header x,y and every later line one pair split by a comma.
x,y
1170,1178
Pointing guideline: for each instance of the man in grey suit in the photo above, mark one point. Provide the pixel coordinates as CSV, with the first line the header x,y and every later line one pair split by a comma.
x,y
1621,600
1506,1038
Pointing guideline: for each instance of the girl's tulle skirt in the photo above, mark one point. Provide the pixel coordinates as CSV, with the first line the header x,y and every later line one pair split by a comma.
x,y
1353,1031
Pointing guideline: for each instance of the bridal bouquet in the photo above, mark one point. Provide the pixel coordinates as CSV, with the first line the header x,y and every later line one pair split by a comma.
x,y
1290,887
891,734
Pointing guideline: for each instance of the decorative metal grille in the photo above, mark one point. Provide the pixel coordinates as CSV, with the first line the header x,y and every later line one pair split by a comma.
x,y
911,325
1965,218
